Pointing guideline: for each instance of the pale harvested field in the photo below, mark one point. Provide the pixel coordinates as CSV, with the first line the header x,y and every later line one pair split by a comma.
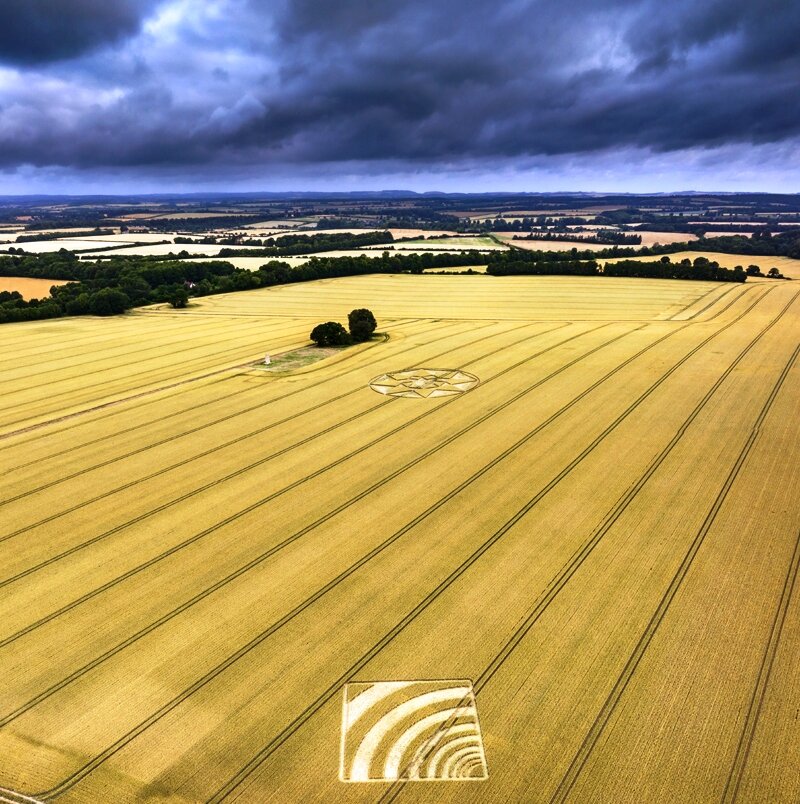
x,y
42,246
787,266
144,249
29,288
664,238
456,243
602,535
548,245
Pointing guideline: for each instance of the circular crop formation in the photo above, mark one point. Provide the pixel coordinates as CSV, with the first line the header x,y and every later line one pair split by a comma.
x,y
424,383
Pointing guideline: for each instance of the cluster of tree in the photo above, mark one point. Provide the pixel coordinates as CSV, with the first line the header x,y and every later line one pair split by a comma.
x,y
361,324
507,225
116,285
200,225
279,273
393,218
293,244
755,270
608,237
530,255
701,269
783,244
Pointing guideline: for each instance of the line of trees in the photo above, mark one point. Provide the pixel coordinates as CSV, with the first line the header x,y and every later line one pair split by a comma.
x,y
701,269
293,244
608,237
117,284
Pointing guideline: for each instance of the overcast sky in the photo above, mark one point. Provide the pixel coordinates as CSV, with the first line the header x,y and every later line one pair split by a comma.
x,y
471,95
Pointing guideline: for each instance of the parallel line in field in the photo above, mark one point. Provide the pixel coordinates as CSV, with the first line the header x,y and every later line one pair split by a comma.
x,y
582,553
114,402
337,685
568,570
120,326
83,342
191,433
730,303
699,299
132,734
209,358
276,548
154,401
610,704
259,503
712,303
100,344
297,723
731,792
216,481
165,347
289,326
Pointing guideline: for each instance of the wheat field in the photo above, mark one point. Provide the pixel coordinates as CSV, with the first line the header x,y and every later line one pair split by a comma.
x,y
600,534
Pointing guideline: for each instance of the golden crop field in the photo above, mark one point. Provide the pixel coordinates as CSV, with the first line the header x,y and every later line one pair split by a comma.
x,y
29,288
573,521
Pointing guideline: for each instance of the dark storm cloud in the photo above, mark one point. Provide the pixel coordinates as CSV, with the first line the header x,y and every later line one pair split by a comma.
x,y
414,82
37,31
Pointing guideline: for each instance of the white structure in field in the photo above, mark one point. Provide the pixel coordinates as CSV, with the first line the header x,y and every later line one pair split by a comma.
x,y
411,730
267,360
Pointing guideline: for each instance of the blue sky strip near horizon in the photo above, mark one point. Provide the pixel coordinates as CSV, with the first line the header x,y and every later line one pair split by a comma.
x,y
136,96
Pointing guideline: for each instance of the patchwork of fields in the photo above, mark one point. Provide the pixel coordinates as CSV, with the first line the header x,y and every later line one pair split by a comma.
x,y
601,535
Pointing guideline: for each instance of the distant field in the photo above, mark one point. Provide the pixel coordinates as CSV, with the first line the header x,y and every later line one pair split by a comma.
x,y
29,288
455,243
548,245
166,248
480,269
602,535
665,238
42,246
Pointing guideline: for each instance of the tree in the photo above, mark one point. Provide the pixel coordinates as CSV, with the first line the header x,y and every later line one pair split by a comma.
x,y
362,324
109,301
331,333
80,305
179,298
774,273
753,270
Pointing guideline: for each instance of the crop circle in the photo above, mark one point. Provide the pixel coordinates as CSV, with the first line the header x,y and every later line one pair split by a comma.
x,y
424,383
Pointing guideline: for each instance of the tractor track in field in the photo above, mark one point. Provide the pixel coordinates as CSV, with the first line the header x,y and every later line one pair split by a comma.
x,y
211,484
336,687
568,570
81,773
731,792
418,610
175,437
608,708
216,357
181,412
171,551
